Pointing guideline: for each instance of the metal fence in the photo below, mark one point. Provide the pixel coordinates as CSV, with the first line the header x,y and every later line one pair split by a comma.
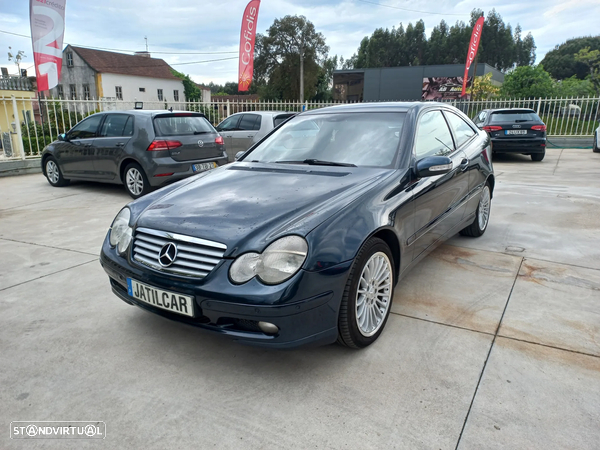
x,y
28,125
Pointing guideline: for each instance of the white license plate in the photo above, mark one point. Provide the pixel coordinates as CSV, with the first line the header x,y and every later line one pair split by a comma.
x,y
171,301
515,132
203,166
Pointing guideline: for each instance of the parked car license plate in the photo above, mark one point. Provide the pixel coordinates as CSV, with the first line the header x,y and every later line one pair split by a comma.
x,y
515,132
171,301
203,166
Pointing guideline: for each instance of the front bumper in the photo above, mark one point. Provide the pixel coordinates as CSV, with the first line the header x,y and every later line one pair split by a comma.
x,y
523,145
179,169
304,308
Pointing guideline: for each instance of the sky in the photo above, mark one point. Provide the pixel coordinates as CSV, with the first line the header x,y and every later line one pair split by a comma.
x,y
209,30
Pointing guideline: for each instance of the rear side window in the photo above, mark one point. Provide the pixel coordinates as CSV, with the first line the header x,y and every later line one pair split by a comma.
x,y
514,116
181,125
462,130
250,122
115,125
277,120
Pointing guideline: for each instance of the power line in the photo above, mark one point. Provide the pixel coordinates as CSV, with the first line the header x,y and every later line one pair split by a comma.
x,y
412,10
205,61
131,51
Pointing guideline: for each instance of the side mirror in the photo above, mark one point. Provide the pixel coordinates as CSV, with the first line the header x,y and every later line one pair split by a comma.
x,y
238,155
433,165
63,137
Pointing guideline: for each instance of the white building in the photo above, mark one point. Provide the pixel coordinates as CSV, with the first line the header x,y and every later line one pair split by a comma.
x,y
96,74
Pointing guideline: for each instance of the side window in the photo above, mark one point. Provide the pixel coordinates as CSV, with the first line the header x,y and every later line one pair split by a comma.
x,y
229,124
462,130
248,122
433,136
480,118
114,125
128,130
257,123
87,128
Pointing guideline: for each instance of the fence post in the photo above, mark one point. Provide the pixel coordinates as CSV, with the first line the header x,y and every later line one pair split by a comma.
x,y
18,124
228,110
539,106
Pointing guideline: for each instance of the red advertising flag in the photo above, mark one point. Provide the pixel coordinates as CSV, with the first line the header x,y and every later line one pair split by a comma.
x,y
473,46
247,37
47,19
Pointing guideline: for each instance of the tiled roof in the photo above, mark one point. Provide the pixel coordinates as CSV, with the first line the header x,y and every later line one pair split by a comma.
x,y
121,63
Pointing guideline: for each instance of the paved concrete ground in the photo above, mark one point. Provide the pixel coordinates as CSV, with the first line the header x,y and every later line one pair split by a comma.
x,y
492,343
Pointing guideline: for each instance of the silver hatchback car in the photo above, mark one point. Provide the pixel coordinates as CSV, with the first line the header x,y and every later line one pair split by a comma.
x,y
242,130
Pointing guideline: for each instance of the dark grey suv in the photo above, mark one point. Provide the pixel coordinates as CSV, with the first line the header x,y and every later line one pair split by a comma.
x,y
140,149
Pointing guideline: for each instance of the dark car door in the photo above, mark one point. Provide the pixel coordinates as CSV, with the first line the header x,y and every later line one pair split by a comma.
x,y
76,154
116,131
438,199
468,140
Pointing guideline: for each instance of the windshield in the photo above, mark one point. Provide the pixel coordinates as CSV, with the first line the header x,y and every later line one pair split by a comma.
x,y
361,139
181,125
514,116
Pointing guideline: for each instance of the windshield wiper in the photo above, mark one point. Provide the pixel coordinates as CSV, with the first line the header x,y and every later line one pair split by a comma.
x,y
318,162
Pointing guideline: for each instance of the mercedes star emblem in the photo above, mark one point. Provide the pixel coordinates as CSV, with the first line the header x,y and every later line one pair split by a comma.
x,y
200,144
167,254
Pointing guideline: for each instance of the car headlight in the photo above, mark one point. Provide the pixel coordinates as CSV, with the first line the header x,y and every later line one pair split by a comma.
x,y
120,231
277,263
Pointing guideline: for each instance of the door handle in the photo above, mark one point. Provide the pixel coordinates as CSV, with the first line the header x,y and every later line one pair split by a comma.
x,y
120,144
87,145
464,164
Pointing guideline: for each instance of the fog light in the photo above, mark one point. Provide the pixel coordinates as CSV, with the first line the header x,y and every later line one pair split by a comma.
x,y
268,328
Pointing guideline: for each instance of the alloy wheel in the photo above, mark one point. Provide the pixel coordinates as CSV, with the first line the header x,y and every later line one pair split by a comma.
x,y
52,172
484,208
135,181
373,294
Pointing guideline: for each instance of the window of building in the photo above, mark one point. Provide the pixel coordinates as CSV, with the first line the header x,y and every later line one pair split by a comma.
x,y
60,91
142,89
72,92
176,95
160,94
86,91
119,92
69,59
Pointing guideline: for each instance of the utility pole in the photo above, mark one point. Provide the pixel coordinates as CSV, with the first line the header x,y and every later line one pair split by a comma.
x,y
146,38
302,71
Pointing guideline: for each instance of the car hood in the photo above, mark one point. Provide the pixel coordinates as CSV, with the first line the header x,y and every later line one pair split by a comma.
x,y
247,205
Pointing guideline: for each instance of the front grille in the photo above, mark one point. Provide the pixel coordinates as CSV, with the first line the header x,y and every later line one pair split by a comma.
x,y
195,257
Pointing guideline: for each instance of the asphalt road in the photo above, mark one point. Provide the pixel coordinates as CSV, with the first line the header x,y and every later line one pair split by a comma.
x,y
492,342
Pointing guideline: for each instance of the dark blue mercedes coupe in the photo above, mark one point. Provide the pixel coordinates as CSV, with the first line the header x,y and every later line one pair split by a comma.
x,y
304,239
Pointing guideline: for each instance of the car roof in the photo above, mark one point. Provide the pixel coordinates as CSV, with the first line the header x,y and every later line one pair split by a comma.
x,y
510,110
380,107
265,113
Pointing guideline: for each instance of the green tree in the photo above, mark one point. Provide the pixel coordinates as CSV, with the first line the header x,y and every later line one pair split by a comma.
x,y
528,82
191,91
16,57
291,42
574,87
591,59
483,88
561,63
499,46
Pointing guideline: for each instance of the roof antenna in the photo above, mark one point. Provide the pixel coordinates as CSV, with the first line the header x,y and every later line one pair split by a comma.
x,y
146,38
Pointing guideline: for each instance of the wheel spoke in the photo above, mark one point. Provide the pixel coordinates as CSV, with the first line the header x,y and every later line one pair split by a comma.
x,y
373,294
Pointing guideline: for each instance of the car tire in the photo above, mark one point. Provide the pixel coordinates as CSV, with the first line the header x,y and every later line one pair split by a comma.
x,y
53,173
538,156
595,148
482,214
135,180
366,302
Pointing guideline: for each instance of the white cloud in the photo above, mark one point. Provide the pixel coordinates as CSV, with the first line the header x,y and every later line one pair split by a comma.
x,y
213,26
